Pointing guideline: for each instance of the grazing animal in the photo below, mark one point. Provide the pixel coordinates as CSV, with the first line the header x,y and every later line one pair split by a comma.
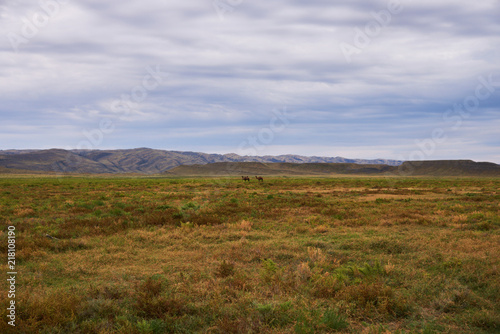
x,y
259,178
245,178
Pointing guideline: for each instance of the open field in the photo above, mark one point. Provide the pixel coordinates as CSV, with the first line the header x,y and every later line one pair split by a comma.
x,y
290,255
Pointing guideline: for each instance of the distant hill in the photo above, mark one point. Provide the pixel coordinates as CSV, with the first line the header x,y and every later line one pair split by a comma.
x,y
142,160
409,168
260,168
150,161
449,168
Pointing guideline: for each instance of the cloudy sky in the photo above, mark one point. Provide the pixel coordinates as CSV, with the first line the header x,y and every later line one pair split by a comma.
x,y
404,79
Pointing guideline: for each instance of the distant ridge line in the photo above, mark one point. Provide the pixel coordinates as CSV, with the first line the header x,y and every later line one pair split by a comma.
x,y
458,168
143,160
181,163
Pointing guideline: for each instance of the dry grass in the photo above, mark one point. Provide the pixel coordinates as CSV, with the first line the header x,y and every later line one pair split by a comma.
x,y
292,255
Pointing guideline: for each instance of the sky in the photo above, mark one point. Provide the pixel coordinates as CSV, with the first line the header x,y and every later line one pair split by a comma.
x,y
398,79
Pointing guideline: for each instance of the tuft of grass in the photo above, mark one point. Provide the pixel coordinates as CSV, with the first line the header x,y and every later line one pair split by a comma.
x,y
279,315
225,269
485,319
333,321
269,270
375,300
152,301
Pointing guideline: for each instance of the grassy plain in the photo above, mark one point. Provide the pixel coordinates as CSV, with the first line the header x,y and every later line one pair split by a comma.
x,y
290,255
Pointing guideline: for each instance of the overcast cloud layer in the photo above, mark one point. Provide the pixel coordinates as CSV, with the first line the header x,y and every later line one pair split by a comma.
x,y
359,79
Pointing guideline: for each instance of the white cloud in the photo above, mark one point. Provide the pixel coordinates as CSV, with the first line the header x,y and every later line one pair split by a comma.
x,y
229,74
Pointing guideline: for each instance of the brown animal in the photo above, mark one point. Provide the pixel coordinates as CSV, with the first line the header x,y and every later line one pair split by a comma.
x,y
259,178
245,178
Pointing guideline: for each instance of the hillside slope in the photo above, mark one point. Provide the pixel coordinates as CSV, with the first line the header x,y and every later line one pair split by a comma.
x,y
410,168
141,160
150,161
55,160
449,168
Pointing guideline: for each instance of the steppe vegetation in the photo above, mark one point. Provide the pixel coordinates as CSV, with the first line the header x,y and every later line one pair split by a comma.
x,y
289,255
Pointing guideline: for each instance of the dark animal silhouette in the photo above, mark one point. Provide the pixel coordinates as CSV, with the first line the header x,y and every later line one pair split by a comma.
x,y
259,178
245,178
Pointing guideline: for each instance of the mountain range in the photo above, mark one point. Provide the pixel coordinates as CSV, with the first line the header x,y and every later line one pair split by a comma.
x,y
178,163
141,160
